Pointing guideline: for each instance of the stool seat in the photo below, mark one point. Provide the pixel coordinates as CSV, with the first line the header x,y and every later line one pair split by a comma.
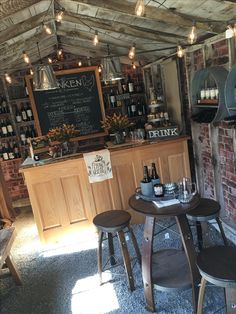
x,y
115,221
206,210
112,220
217,266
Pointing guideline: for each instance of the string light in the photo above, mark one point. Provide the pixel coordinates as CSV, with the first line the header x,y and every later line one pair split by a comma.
x,y
180,51
49,60
95,39
79,63
133,65
31,72
131,54
59,16
59,54
192,36
8,78
231,31
140,8
26,57
47,29
99,68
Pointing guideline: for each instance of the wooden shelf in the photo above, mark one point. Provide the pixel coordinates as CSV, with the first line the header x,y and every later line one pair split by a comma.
x,y
4,115
19,99
207,102
7,137
205,106
25,123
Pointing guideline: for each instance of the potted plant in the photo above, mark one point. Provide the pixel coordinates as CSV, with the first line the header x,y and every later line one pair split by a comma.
x,y
116,125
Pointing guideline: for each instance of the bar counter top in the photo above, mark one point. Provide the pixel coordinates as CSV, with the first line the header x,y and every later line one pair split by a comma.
x,y
65,202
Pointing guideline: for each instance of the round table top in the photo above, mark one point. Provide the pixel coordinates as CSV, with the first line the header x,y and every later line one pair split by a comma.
x,y
148,208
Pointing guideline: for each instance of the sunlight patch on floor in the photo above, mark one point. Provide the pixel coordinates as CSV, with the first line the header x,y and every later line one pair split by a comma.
x,y
89,297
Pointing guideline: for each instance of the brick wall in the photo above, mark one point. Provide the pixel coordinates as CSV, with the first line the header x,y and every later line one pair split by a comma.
x,y
217,55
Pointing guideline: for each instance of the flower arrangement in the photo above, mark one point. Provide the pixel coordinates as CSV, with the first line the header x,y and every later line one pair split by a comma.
x,y
63,133
116,123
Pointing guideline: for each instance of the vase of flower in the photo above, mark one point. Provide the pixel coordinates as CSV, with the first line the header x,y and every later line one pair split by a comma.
x,y
118,138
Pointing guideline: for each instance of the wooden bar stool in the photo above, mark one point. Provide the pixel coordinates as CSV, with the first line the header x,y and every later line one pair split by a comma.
x,y
217,266
115,221
207,209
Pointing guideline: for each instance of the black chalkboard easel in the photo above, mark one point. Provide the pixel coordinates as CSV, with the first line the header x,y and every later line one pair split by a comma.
x,y
78,101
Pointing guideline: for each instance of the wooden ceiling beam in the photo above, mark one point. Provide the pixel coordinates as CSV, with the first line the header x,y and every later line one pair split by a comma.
x,y
8,8
165,16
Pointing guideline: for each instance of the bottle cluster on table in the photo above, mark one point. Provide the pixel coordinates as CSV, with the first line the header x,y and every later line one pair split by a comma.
x,y
150,184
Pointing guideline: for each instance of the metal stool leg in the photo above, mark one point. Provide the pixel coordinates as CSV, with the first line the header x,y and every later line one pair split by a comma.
x,y
111,249
135,244
99,253
126,258
201,295
222,231
230,298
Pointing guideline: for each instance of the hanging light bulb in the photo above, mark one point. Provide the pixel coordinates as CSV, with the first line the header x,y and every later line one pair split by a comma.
x,y
59,16
140,8
59,53
180,51
31,72
95,39
26,57
192,36
49,60
47,29
79,63
131,54
133,65
99,68
7,78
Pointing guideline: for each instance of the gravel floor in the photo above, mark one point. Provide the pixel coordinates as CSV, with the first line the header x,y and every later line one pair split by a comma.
x,y
63,279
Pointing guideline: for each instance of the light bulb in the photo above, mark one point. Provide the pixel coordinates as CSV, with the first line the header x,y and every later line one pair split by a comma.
x,y
47,29
231,31
59,16
132,52
26,57
49,60
59,53
133,66
79,63
31,72
192,37
99,69
140,8
180,51
95,39
8,78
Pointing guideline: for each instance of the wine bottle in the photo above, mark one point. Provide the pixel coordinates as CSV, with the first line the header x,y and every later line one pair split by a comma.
x,y
32,132
5,155
22,136
10,151
29,112
130,84
140,111
112,99
154,176
16,150
5,108
18,115
133,108
146,177
3,129
10,130
23,112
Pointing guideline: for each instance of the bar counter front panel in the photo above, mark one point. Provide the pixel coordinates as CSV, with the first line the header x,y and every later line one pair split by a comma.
x,y
64,202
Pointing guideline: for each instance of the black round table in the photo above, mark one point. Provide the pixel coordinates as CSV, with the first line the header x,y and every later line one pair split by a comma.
x,y
168,269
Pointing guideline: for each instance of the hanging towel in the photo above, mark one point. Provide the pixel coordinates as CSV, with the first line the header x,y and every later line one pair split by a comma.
x,y
98,165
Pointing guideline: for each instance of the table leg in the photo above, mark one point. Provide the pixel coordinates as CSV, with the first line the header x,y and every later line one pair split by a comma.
x,y
147,262
191,256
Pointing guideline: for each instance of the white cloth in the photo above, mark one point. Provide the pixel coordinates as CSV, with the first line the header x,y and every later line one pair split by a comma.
x,y
98,165
160,204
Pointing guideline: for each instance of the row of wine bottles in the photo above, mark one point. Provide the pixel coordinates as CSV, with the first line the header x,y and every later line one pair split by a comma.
x,y
6,128
9,150
24,113
26,133
4,108
135,109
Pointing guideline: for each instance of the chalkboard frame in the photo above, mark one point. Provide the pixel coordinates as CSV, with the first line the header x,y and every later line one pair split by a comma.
x,y
29,85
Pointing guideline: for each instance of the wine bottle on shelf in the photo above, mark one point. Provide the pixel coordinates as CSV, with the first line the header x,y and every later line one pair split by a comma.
x,y
112,99
18,115
16,150
32,132
5,155
124,86
23,112
5,108
133,108
3,129
22,136
27,135
130,84
139,110
10,150
155,177
10,130
29,112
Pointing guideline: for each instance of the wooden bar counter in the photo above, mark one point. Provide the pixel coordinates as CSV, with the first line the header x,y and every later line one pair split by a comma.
x,y
64,202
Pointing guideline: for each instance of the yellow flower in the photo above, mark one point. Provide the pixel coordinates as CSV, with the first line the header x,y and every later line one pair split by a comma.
x,y
63,133
115,123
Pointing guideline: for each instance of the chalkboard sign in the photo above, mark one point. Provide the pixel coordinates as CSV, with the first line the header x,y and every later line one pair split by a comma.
x,y
78,101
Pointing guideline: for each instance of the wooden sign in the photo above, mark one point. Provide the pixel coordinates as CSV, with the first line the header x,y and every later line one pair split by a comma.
x,y
78,101
163,132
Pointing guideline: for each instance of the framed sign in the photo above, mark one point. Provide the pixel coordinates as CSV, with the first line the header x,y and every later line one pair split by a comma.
x,y
78,101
